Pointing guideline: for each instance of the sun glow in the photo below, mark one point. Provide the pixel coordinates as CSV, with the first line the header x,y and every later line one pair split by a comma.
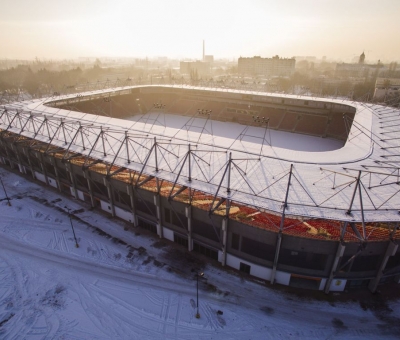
x,y
176,28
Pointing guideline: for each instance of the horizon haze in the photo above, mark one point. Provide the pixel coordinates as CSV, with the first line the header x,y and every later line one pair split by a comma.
x,y
337,29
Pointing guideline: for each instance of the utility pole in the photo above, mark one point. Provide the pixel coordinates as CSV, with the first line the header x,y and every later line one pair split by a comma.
x,y
197,302
72,227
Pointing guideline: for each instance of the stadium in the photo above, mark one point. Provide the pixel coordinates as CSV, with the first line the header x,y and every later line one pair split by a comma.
x,y
294,190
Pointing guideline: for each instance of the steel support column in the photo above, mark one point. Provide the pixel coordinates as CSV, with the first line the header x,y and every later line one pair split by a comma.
x,y
390,251
54,163
130,192
71,175
224,239
277,251
339,253
20,165
225,227
9,158
28,156
354,193
107,183
42,165
86,174
157,203
188,212
279,238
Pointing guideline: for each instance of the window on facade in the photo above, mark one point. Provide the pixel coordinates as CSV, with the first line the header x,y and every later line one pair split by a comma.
x,y
258,249
81,181
303,259
205,251
365,263
245,268
100,189
63,175
183,241
50,169
394,261
206,230
147,225
343,261
145,206
179,220
122,197
235,241
167,215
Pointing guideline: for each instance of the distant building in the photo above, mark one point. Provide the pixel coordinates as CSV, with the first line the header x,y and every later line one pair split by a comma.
x,y
361,60
308,58
386,88
200,68
274,66
209,58
359,69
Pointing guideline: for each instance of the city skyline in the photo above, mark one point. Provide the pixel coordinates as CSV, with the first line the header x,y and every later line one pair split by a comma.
x,y
339,29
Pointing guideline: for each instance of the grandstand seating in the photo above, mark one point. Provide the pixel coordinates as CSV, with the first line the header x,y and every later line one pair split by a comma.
x,y
217,110
275,116
215,107
337,127
289,121
315,124
312,125
183,107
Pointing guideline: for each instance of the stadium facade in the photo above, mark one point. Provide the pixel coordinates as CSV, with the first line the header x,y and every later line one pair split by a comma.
x,y
203,168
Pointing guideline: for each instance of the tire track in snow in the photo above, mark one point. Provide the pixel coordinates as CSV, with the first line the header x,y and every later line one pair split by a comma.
x,y
211,318
40,329
119,309
55,244
158,299
154,298
166,306
147,281
27,304
101,269
13,301
65,242
31,221
160,319
177,314
52,242
5,276
317,332
90,309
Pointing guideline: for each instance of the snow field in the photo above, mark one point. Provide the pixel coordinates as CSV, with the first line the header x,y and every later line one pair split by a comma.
x,y
130,285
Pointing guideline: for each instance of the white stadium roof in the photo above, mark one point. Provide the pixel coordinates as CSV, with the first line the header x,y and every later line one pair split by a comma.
x,y
249,165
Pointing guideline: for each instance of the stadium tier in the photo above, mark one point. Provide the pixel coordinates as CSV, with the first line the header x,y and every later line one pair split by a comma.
x,y
294,190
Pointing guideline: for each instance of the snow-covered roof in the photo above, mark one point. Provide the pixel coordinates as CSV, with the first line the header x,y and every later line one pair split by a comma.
x,y
356,182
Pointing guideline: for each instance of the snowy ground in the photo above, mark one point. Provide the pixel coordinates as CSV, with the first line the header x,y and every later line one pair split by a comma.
x,y
132,285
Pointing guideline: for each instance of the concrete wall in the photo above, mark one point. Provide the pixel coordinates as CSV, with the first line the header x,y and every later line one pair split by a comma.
x,y
168,234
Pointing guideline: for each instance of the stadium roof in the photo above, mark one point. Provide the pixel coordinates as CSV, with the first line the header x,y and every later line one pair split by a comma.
x,y
358,182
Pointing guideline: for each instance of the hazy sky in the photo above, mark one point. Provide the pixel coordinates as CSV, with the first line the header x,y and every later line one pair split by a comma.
x,y
176,28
